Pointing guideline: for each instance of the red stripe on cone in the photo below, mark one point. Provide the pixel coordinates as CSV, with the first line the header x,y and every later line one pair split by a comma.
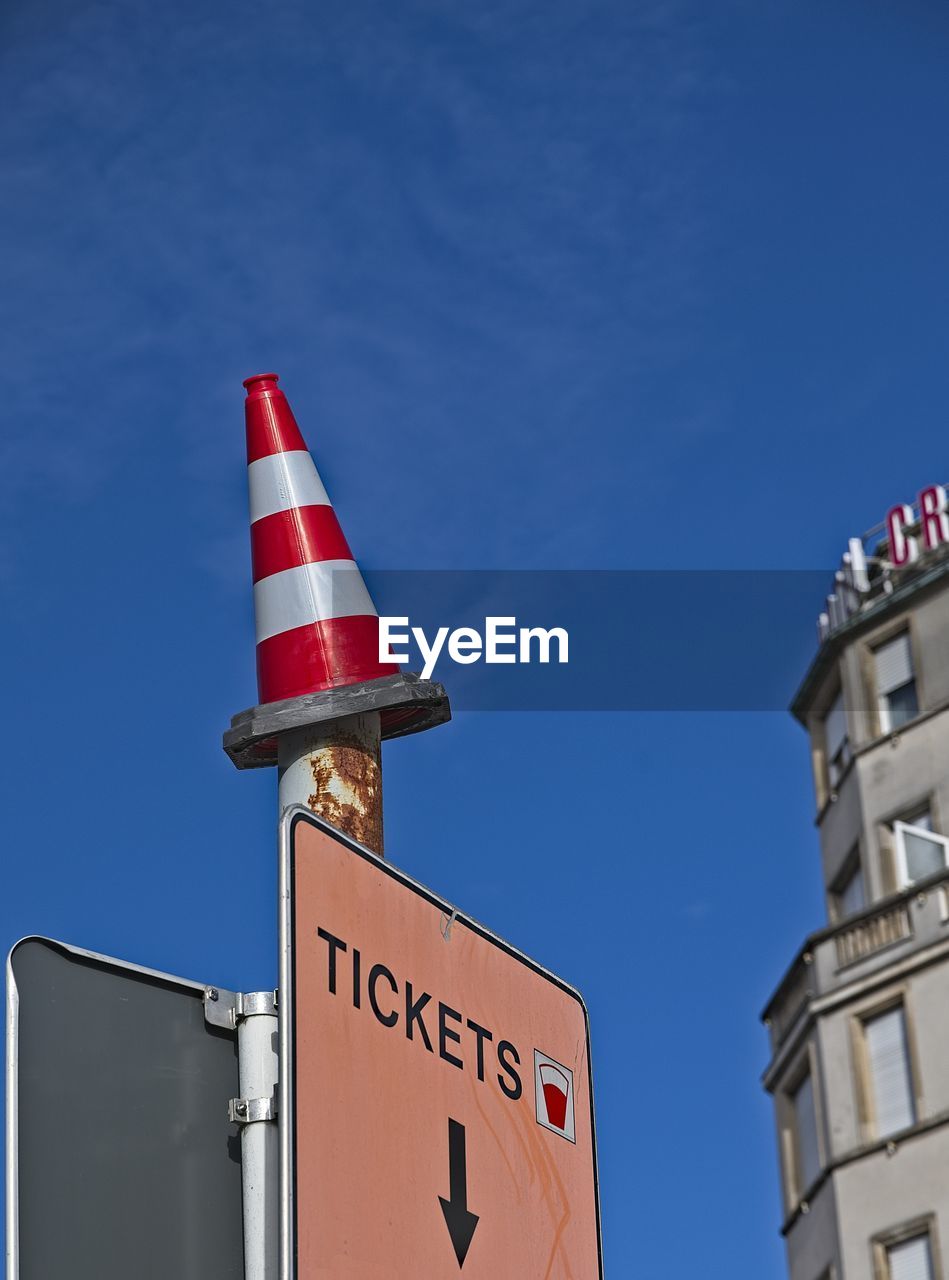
x,y
303,535
324,655
271,426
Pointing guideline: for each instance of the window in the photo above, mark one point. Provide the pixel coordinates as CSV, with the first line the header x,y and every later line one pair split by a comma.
x,y
910,1259
896,683
850,896
907,1252
888,1071
836,741
806,1148
920,851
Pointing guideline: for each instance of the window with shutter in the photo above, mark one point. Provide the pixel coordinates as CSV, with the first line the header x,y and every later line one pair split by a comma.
x,y
836,740
910,1259
896,683
807,1150
889,1072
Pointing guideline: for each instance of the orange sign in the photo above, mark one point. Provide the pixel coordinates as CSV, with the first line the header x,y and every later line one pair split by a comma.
x,y
439,1115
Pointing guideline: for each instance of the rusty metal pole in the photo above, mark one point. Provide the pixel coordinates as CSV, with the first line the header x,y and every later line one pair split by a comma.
x,y
334,769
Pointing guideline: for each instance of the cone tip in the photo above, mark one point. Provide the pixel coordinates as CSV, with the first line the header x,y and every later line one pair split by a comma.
x,y
261,382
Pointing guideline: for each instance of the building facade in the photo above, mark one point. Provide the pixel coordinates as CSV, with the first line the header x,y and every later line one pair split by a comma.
x,y
859,1024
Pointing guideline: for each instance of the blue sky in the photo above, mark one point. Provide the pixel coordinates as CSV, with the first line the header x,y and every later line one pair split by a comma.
x,y
659,284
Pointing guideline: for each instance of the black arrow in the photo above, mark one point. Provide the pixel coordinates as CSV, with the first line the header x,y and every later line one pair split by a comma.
x,y
461,1224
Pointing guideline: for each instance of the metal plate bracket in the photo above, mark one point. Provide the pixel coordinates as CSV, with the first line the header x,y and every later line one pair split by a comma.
x,y
251,1110
227,1008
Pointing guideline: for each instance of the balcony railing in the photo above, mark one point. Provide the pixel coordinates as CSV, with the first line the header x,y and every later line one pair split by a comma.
x,y
854,948
790,999
873,933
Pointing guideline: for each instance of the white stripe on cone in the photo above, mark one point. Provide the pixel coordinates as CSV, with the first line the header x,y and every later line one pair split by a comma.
x,y
309,593
283,481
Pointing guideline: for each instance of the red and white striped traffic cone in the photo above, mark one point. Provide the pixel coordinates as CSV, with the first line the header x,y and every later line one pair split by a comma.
x,y
317,628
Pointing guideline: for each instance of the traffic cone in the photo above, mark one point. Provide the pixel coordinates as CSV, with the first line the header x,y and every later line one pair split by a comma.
x,y
317,627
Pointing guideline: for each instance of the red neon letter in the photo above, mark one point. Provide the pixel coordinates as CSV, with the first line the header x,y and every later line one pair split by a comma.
x,y
932,514
902,548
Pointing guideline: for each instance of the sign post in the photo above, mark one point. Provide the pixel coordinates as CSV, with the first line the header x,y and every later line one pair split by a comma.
x,y
436,1104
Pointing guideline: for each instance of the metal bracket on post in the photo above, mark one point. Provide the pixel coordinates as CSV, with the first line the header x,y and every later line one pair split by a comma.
x,y
254,1016
251,1110
227,1008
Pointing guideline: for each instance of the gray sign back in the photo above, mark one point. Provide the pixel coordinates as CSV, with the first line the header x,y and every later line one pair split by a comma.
x,y
121,1159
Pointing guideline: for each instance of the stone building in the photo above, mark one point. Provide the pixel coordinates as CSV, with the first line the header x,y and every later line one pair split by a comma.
x,y
859,1024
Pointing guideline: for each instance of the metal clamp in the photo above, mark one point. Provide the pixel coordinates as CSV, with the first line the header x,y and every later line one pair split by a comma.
x,y
251,1110
227,1008
252,1002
